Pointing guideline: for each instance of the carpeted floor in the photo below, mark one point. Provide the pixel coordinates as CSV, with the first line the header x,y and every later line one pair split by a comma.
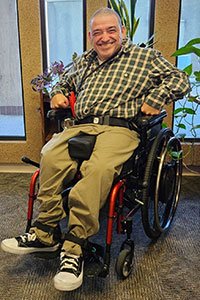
x,y
166,270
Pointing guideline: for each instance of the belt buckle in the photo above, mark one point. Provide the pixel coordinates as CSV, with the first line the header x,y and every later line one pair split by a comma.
x,y
68,123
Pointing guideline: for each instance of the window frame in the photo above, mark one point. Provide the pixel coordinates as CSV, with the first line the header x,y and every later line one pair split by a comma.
x,y
43,31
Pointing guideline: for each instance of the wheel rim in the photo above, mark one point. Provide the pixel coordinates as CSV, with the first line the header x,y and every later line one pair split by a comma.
x,y
165,210
127,267
124,263
154,217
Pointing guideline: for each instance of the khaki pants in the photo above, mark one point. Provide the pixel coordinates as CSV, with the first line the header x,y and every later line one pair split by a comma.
x,y
114,145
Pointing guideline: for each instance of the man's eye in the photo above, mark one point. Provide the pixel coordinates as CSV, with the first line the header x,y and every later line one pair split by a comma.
x,y
112,30
96,33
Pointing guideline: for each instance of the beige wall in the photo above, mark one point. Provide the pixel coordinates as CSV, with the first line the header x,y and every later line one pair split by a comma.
x,y
29,28
166,28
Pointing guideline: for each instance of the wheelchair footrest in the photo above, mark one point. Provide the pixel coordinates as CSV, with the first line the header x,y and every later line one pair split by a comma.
x,y
93,266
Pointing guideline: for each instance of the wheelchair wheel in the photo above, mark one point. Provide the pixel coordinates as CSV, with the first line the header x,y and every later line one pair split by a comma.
x,y
124,263
163,180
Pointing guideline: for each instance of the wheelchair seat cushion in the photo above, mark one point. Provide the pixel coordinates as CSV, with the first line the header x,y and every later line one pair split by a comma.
x,y
81,147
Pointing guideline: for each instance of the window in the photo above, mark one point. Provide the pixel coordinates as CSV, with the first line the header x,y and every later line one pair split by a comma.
x,y
64,26
188,30
142,11
11,99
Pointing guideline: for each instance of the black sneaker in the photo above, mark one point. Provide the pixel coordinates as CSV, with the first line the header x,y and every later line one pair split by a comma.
x,y
26,244
70,275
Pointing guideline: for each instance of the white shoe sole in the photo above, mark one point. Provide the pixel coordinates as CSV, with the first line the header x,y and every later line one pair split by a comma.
x,y
11,246
67,283
61,287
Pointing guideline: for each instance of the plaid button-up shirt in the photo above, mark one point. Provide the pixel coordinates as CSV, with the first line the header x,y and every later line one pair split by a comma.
x,y
120,85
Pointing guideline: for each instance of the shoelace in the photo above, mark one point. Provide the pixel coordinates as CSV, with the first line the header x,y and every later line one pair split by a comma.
x,y
70,263
28,237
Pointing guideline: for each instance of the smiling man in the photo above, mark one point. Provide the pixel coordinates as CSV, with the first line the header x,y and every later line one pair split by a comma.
x,y
106,34
113,81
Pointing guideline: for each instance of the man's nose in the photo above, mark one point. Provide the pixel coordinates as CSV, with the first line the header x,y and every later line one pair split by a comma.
x,y
105,37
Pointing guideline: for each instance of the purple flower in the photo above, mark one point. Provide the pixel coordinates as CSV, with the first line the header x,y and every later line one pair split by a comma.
x,y
46,81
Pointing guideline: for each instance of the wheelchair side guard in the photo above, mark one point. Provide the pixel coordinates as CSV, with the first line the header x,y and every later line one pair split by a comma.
x,y
81,147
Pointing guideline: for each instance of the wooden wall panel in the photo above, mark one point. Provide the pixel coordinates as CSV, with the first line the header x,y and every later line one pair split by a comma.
x,y
166,28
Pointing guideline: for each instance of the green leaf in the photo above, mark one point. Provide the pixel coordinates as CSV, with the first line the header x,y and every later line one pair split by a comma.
x,y
176,111
192,99
181,126
164,125
48,79
197,74
74,56
114,6
188,69
135,27
193,42
176,154
189,111
186,50
133,5
197,78
127,17
45,91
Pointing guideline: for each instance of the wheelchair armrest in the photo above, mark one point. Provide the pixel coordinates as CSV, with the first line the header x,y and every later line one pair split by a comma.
x,y
59,114
146,121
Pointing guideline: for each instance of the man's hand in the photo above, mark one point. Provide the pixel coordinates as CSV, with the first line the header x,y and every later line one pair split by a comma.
x,y
59,101
149,110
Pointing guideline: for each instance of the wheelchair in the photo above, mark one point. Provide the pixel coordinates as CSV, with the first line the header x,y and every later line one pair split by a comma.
x,y
150,180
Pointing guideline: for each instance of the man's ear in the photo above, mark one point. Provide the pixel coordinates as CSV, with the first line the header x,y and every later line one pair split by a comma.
x,y
123,31
90,38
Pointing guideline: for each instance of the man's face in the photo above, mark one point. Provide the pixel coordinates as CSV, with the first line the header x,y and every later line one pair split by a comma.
x,y
106,36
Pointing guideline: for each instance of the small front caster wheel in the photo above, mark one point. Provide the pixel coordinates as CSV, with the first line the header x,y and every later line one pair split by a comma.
x,y
124,263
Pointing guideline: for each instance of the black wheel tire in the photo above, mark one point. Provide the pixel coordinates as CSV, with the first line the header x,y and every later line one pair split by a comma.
x,y
124,263
157,214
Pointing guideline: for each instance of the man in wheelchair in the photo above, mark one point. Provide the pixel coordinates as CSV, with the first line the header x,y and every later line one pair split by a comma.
x,y
112,82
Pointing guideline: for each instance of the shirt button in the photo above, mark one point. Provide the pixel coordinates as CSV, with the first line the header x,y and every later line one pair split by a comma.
x,y
125,75
86,110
